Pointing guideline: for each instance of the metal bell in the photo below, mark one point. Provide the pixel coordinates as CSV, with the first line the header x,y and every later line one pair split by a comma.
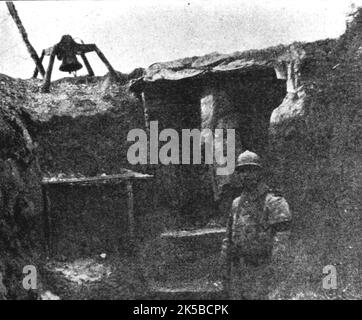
x,y
70,63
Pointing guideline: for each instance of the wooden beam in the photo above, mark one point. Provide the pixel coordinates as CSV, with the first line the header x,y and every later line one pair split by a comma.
x,y
106,62
131,222
87,65
145,112
48,75
46,220
31,50
35,74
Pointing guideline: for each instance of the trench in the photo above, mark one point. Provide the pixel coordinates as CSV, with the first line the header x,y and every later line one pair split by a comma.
x,y
91,257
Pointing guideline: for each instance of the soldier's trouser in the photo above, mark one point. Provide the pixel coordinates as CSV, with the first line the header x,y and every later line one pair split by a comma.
x,y
250,282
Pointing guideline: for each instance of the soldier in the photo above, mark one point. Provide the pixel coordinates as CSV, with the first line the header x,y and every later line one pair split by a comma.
x,y
256,216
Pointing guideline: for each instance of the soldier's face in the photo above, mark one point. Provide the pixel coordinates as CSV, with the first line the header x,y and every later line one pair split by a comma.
x,y
250,177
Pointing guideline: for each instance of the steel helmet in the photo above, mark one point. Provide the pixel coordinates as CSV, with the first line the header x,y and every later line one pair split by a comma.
x,y
248,158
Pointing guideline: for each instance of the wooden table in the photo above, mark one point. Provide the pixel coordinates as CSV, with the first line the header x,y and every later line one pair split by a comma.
x,y
127,176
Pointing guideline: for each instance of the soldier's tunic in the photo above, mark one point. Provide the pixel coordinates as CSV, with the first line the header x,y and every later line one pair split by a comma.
x,y
253,223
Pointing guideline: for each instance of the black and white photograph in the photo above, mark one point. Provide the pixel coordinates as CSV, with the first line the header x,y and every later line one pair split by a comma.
x,y
184,150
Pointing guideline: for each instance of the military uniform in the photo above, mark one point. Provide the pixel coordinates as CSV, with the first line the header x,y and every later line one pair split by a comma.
x,y
254,220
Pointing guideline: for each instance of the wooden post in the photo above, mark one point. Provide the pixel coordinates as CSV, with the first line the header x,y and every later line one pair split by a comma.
x,y
31,50
87,65
35,74
46,220
48,75
215,188
106,62
145,112
131,222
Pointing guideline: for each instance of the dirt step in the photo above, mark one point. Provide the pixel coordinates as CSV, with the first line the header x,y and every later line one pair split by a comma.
x,y
197,233
183,255
197,250
199,241
196,290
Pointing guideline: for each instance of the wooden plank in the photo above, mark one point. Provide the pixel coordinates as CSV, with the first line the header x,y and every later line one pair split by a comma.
x,y
87,65
192,233
116,178
101,56
145,113
35,74
131,221
14,14
189,289
47,220
48,75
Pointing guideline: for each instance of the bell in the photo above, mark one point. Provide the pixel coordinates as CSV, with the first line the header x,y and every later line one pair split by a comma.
x,y
70,63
